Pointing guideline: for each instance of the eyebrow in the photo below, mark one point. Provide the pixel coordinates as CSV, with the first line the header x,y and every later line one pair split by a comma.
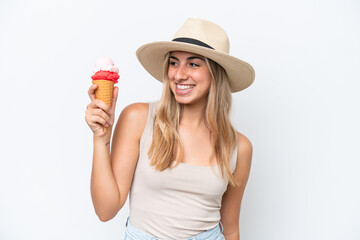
x,y
189,58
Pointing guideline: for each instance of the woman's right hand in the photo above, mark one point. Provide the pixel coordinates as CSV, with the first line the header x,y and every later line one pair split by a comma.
x,y
99,115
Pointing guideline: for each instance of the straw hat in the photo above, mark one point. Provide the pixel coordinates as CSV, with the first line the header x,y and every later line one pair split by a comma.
x,y
200,37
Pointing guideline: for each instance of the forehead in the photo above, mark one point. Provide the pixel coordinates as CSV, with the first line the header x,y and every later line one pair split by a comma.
x,y
184,54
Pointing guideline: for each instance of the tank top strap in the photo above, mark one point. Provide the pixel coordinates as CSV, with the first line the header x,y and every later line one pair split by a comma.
x,y
146,137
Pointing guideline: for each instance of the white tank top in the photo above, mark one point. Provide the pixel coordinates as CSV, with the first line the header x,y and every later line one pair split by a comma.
x,y
175,203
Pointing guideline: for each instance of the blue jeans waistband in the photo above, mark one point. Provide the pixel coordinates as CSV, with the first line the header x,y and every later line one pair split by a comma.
x,y
133,233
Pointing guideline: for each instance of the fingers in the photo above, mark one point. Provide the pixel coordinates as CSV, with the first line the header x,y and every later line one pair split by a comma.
x,y
96,103
103,115
98,119
91,92
97,116
98,112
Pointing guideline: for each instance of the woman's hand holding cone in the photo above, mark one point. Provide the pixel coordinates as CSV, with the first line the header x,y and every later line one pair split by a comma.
x,y
100,116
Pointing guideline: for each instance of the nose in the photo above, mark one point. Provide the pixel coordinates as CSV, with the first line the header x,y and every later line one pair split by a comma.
x,y
181,73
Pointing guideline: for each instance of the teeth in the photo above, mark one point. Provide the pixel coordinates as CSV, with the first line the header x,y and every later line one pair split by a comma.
x,y
184,87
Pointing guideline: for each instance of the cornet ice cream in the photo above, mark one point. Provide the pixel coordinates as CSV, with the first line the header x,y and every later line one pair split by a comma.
x,y
105,76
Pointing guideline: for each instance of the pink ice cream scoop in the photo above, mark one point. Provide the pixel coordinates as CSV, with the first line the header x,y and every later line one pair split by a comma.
x,y
104,69
105,64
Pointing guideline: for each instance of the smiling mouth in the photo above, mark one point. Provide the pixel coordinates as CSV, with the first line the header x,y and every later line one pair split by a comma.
x,y
184,88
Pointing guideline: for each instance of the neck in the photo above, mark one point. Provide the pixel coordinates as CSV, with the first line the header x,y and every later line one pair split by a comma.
x,y
192,115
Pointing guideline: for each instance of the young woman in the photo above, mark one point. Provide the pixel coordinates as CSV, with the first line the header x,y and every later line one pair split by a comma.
x,y
180,159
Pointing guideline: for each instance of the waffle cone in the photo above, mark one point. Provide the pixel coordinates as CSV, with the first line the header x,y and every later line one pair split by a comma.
x,y
104,91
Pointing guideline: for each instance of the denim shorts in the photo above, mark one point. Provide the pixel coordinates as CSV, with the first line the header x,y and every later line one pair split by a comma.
x,y
132,233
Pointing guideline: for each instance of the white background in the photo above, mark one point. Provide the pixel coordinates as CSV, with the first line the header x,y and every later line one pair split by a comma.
x,y
301,113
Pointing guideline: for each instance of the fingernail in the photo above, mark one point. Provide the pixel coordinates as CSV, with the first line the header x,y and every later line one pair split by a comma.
x,y
111,122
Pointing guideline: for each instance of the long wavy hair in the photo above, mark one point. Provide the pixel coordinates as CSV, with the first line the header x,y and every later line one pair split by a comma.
x,y
166,146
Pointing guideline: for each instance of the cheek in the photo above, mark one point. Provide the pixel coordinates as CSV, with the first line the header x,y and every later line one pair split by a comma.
x,y
207,80
207,84
170,74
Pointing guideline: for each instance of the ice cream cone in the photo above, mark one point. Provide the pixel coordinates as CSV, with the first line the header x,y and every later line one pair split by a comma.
x,y
104,91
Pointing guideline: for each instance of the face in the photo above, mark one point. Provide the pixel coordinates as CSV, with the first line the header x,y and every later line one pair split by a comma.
x,y
189,77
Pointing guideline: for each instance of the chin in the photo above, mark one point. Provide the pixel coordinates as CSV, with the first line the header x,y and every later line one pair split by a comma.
x,y
190,101
181,100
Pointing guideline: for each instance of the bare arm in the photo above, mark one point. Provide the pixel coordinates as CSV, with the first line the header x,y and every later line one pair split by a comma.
x,y
231,202
104,190
112,172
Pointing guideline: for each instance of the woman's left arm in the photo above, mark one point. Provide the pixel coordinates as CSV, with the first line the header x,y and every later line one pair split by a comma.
x,y
231,201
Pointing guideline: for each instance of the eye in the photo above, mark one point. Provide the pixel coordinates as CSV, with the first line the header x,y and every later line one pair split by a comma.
x,y
194,65
173,63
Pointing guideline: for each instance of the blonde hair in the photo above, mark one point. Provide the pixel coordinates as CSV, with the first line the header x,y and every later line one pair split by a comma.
x,y
166,146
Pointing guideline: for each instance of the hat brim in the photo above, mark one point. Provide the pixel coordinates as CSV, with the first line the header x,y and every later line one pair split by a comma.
x,y
152,55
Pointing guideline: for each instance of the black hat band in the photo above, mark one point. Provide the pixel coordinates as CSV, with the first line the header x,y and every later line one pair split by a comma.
x,y
192,41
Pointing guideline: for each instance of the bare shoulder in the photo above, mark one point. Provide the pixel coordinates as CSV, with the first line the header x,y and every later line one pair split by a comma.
x,y
244,144
244,158
136,110
133,118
